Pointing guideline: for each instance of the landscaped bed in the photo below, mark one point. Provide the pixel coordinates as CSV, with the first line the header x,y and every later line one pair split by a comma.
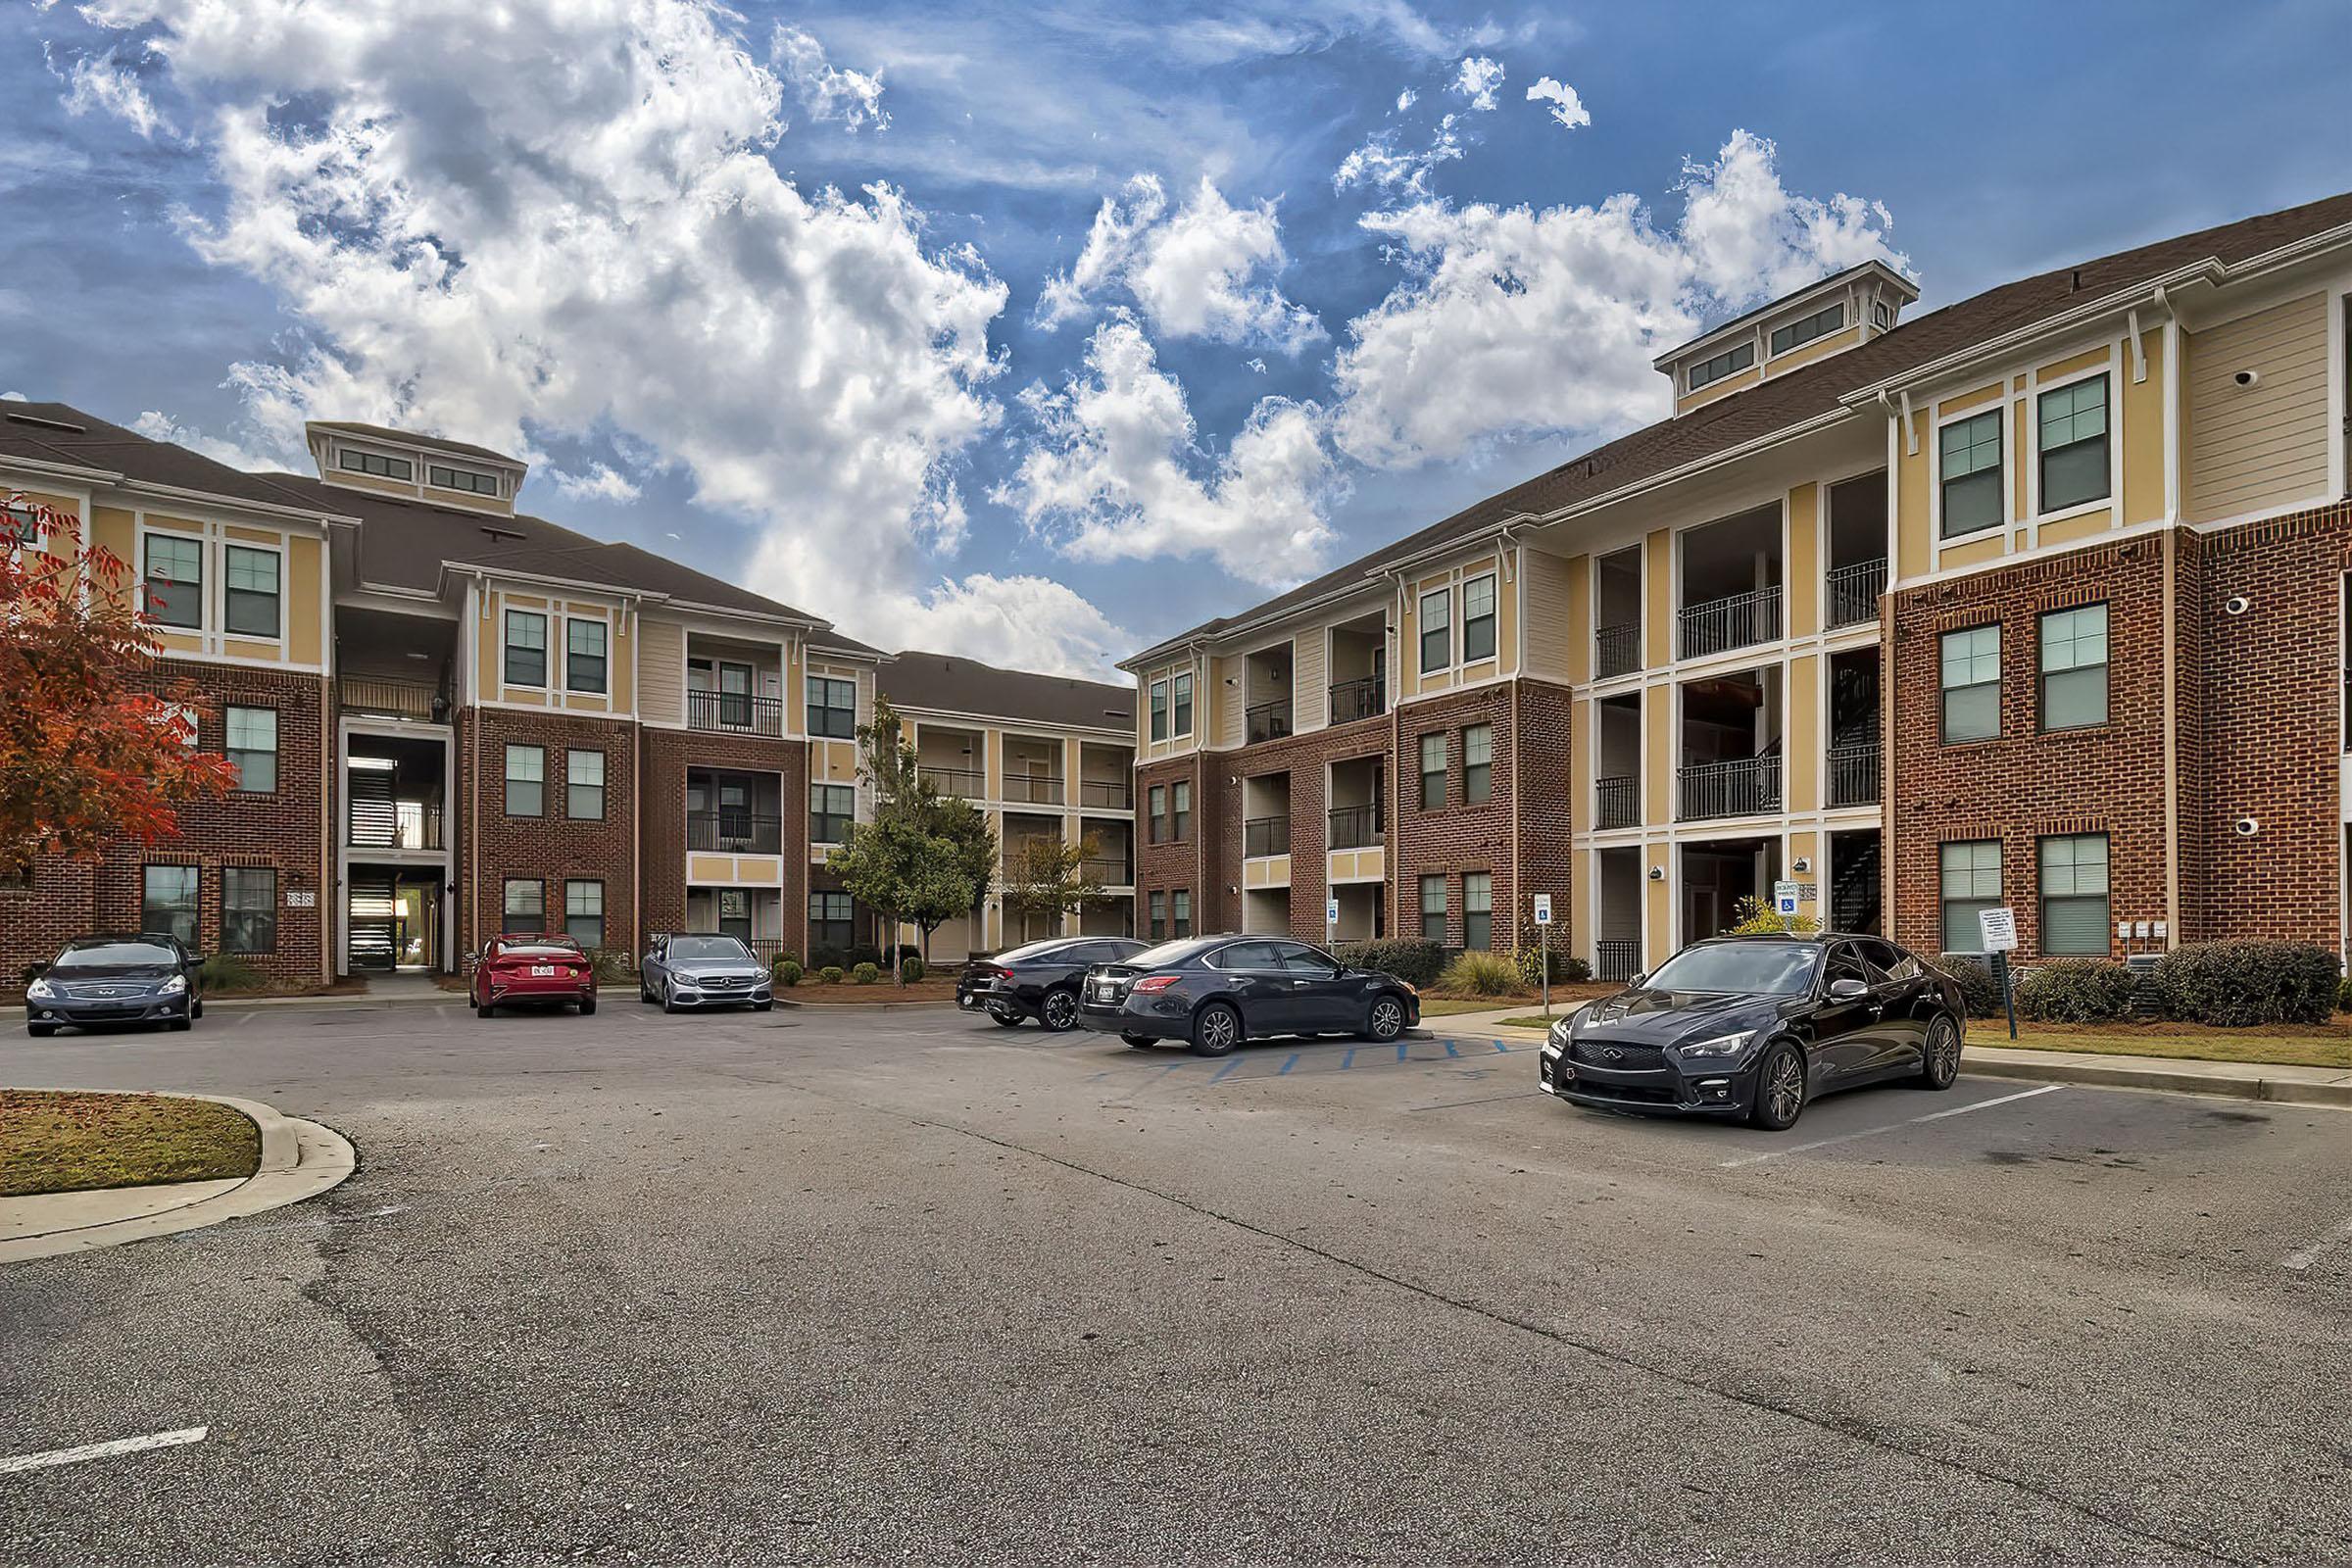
x,y
940,988
61,1141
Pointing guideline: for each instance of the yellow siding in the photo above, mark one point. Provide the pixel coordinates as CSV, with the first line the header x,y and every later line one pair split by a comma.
x,y
305,592
1506,613
2086,525
370,481
1965,401
2143,433
661,672
1976,552
2089,360
1268,871
1657,904
623,664
2019,506
1556,613
260,653
1580,767
2262,445
1657,608
1808,847
1658,755
1713,389
1311,682
114,530
1803,700
1915,526
1804,560
1579,617
1821,348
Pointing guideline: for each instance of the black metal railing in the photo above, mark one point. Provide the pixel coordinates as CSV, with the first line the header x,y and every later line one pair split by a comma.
x,y
1266,835
390,697
1267,721
735,712
1721,624
1617,958
1351,700
1111,873
1116,794
1616,649
1740,787
965,783
1854,773
726,832
1853,592
1620,800
1354,827
1036,789
372,824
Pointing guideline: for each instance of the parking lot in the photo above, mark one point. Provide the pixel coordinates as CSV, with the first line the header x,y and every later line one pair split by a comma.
x,y
857,1284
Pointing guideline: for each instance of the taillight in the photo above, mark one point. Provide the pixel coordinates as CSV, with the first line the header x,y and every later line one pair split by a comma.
x,y
1154,983
1004,974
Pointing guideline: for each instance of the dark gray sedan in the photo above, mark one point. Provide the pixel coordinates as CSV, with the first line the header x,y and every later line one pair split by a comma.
x,y
703,971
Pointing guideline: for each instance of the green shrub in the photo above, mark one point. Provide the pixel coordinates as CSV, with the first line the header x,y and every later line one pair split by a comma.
x,y
1575,971
911,968
830,974
2238,984
1480,974
866,974
1753,917
227,971
1413,961
1979,992
1530,960
2343,995
2074,991
611,966
788,971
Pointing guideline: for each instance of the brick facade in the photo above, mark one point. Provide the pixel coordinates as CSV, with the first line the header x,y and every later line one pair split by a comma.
x,y
553,846
1188,864
1306,758
668,755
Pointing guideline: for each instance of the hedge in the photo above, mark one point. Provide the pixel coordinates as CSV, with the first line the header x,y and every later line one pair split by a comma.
x,y
1979,992
1416,963
2074,991
788,971
2238,984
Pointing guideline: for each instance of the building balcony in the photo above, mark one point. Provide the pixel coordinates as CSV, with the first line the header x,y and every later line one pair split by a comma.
x,y
729,832
1616,651
375,824
1110,873
963,783
1744,786
421,702
735,713
1354,827
1267,721
1109,793
1720,625
1617,959
1266,835
1618,802
1851,593
1034,789
1351,700
1854,773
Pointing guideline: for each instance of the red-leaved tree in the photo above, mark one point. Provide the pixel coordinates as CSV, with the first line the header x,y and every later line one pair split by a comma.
x,y
94,750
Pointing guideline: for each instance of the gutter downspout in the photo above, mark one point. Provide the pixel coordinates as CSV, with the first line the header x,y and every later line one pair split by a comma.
x,y
2169,544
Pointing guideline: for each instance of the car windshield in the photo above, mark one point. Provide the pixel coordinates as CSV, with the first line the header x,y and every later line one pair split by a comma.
x,y
109,954
539,950
683,948
1764,968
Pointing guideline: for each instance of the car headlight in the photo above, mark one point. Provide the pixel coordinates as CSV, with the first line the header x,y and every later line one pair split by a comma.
x,y
41,991
173,986
1720,1046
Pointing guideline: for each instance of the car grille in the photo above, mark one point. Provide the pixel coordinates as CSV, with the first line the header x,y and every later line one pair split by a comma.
x,y
726,982
1621,1054
105,990
1638,1094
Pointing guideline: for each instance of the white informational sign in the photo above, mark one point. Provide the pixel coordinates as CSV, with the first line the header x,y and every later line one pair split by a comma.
x,y
302,901
1998,928
1543,909
1783,897
1331,912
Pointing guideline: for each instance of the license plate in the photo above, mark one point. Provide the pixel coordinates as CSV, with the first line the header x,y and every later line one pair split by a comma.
x,y
1104,989
542,968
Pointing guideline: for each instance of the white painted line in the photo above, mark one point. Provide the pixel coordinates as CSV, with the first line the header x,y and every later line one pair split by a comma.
x,y
1872,1131
103,1451
2301,1261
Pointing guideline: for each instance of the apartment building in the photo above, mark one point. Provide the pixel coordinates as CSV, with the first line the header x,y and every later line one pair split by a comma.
x,y
1042,757
2039,599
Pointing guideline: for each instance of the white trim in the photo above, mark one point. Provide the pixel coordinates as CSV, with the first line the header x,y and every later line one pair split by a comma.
x,y
2113,501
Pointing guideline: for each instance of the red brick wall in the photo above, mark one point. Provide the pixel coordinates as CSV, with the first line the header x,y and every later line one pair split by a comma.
x,y
1459,837
1191,863
1306,758
1546,832
551,847
668,755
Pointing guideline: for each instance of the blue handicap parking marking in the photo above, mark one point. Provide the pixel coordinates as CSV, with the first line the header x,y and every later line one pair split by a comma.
x,y
1289,1062
1226,1071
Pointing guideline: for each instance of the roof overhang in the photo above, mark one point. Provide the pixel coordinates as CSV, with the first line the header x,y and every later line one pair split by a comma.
x,y
1746,322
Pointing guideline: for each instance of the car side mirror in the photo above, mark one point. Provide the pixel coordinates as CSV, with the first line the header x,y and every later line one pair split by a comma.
x,y
1848,990
33,971
1637,982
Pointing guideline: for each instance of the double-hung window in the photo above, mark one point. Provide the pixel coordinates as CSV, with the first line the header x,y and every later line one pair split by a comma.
x,y
1478,619
1478,764
251,748
1433,771
175,581
2074,668
1180,812
1971,463
1433,909
832,808
2074,445
168,903
1179,904
526,781
524,910
1158,799
2074,896
249,599
832,707
526,648
585,913
584,655
1160,709
584,786
1436,630
249,909
832,923
1972,684
1478,909
1970,869
1180,703
1158,929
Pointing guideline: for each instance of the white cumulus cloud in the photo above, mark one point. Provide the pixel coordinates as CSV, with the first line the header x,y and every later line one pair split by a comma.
x,y
827,90
104,84
1566,107
1476,80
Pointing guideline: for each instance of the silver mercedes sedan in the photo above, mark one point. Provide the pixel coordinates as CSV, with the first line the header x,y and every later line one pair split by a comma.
x,y
703,971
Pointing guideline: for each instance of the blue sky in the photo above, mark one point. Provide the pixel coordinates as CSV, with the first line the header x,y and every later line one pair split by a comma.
x,y
1039,332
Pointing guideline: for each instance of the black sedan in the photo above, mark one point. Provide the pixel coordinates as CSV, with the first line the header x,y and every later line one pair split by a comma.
x,y
1213,993
1037,981
1758,1027
124,979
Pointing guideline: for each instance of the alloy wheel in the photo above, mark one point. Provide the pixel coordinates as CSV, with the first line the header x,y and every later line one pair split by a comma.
x,y
1784,1089
1388,1019
1062,1010
1219,1031
1943,1053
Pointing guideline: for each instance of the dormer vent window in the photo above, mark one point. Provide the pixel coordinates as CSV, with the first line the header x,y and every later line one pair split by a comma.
x,y
466,479
1731,362
1796,334
377,464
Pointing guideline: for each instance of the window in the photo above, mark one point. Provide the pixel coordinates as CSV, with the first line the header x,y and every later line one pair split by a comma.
x,y
1158,927
832,921
1238,955
1433,909
735,913
175,581
466,479
253,747
832,808
1972,473
1478,619
734,694
584,786
1180,703
832,707
1180,905
526,648
168,903
1731,362
249,609
2074,668
1433,771
1881,314
1180,811
187,723
584,655
1796,334
525,908
1158,816
2074,446
1972,684
2074,896
1478,909
585,913
1478,764
526,781
1972,881
249,909
1160,709
1436,641
376,464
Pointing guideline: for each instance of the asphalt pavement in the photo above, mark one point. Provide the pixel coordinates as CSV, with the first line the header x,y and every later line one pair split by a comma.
x,y
843,1286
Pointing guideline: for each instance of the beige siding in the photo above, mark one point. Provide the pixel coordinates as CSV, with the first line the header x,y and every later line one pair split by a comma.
x,y
661,672
1310,681
1552,616
2251,447
1227,730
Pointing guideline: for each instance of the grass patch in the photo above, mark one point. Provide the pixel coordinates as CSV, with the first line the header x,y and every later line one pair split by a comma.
x,y
2279,1045
54,1142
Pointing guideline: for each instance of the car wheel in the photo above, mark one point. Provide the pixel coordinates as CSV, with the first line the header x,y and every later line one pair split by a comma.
x,y
196,1009
1133,1042
1940,1058
1216,1030
181,1023
761,1006
1060,1010
1779,1087
1005,1021
1385,1021
669,1000
587,1006
40,1031
481,1009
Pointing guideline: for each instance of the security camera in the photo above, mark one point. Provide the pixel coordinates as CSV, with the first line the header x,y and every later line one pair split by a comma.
x,y
2247,827
2247,378
2239,604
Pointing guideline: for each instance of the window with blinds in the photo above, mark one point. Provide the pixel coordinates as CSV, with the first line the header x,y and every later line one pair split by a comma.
x,y
2074,896
1972,881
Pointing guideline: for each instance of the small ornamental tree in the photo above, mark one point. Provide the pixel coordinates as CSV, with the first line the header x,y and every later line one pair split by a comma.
x,y
925,858
1046,877
95,749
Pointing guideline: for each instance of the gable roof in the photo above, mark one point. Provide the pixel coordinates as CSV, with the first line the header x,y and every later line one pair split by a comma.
x,y
943,683
1809,393
409,438
57,432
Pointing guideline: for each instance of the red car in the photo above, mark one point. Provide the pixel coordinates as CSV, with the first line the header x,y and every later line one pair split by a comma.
x,y
547,970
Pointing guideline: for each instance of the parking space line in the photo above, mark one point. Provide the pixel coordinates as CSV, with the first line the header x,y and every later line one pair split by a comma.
x,y
1348,1060
1289,1061
1228,1069
1499,1045
2304,1258
1893,1126
103,1451
1450,1049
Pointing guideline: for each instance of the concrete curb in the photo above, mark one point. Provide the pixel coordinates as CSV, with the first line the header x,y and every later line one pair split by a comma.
x,y
865,1006
299,1159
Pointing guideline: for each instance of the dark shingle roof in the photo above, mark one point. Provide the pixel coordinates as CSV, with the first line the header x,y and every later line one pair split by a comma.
x,y
409,438
1813,391
57,432
947,684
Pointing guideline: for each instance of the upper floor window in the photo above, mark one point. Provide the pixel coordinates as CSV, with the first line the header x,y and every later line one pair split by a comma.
x,y
466,479
526,781
832,808
1796,334
832,707
175,581
1160,709
584,655
1731,362
252,735
1971,456
1433,771
1881,314
1436,629
1158,799
1478,764
376,464
1972,684
2074,445
526,648
1478,619
584,786
249,604
1180,704
2074,668
1180,812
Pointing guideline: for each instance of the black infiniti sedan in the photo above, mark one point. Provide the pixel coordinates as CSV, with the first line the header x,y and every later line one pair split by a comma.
x,y
1038,980
1213,993
122,979
1758,1027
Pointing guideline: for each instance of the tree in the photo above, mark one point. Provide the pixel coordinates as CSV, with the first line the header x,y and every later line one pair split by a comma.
x,y
96,746
925,858
1046,877
1753,917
